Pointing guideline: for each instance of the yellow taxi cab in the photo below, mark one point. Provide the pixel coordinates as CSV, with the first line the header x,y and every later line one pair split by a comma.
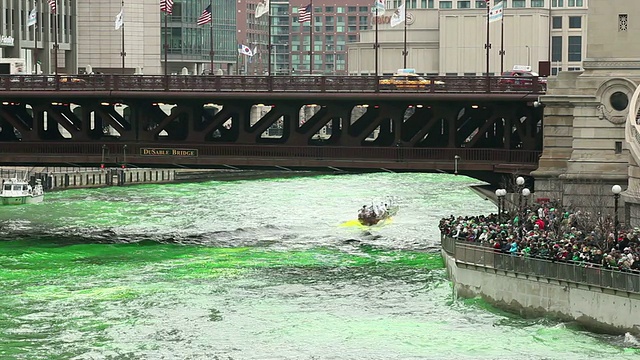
x,y
70,79
406,79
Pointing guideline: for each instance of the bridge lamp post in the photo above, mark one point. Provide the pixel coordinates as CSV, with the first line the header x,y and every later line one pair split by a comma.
x,y
455,164
124,161
525,194
104,147
616,189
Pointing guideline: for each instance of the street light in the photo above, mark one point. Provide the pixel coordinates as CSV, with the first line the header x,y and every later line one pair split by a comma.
x,y
520,183
500,193
455,164
525,194
616,189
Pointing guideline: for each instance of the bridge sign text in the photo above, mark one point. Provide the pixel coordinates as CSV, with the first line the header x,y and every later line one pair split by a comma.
x,y
168,152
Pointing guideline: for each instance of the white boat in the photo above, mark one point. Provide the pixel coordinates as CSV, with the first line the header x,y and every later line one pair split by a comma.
x,y
18,192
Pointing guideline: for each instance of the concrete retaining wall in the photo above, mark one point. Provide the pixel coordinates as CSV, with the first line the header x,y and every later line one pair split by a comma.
x,y
106,177
595,308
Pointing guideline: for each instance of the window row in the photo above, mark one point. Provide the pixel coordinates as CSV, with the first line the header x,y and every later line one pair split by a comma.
x,y
575,22
574,48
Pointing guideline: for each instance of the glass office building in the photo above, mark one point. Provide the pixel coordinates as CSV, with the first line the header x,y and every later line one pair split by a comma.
x,y
190,44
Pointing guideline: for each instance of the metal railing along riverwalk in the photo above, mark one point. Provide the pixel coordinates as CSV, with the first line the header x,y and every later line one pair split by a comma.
x,y
585,274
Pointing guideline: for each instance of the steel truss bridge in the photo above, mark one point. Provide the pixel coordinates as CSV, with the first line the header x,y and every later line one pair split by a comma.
x,y
479,126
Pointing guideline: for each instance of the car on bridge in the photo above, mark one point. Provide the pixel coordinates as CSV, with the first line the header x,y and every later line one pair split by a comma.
x,y
406,79
521,77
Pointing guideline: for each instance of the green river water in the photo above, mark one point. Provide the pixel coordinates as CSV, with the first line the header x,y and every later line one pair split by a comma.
x,y
256,269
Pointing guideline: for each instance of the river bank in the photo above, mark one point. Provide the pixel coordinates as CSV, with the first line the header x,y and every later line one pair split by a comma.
x,y
62,178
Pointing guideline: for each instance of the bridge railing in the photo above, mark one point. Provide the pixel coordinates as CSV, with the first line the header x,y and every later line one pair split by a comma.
x,y
592,275
301,83
495,156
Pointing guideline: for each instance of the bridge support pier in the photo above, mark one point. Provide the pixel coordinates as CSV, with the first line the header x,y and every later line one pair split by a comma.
x,y
584,151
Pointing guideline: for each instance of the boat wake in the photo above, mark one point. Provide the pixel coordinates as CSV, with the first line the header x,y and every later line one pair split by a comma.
x,y
356,224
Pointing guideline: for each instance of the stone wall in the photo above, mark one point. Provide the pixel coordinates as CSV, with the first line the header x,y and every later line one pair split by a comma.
x,y
596,308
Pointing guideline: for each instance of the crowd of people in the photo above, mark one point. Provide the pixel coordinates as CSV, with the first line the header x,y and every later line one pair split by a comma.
x,y
547,231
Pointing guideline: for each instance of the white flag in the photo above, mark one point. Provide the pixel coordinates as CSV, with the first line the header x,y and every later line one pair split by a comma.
x,y
496,12
399,16
120,19
378,8
262,8
33,18
245,50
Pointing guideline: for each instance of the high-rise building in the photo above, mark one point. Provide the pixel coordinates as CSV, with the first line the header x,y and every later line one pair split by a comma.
x,y
145,32
36,43
446,37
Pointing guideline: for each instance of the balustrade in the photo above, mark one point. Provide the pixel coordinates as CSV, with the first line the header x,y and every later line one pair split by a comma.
x,y
299,83
585,274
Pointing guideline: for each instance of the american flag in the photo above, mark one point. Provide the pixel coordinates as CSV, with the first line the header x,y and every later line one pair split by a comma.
x,y
205,17
52,3
165,5
304,14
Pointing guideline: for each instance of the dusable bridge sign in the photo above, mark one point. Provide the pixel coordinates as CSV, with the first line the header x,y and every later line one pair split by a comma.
x,y
168,152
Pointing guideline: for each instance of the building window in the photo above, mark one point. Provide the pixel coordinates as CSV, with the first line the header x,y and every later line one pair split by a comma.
x,y
574,68
518,3
557,22
537,3
352,9
363,9
555,70
446,5
329,9
430,4
575,3
464,4
575,48
619,100
623,22
556,48
575,22
557,3
481,4
618,147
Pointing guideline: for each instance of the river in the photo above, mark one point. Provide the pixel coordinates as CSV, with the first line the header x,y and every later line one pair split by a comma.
x,y
256,269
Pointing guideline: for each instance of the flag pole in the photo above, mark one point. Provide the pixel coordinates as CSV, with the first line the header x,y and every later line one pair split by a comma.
x,y
35,40
211,42
269,41
487,46
55,40
502,52
376,45
165,46
311,38
405,52
122,52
